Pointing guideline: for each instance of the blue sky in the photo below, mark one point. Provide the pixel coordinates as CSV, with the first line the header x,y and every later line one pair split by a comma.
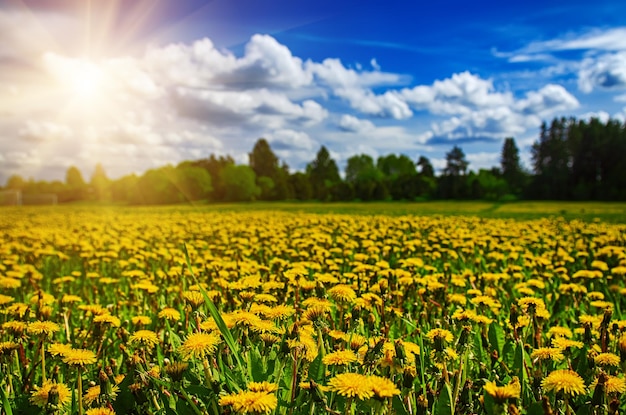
x,y
137,84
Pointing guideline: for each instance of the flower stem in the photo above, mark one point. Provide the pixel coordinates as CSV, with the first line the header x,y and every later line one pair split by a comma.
x,y
208,378
43,362
80,391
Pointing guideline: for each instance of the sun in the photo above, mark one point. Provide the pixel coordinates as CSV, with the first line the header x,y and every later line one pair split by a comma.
x,y
85,81
81,80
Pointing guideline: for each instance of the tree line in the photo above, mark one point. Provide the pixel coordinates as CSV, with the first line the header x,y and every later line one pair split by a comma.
x,y
571,159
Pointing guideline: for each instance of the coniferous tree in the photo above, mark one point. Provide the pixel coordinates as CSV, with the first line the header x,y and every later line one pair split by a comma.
x,y
324,174
511,168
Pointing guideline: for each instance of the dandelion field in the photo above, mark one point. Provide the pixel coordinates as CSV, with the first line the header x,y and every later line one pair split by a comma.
x,y
183,311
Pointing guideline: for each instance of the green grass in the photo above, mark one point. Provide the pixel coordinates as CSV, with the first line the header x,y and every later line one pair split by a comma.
x,y
613,212
588,211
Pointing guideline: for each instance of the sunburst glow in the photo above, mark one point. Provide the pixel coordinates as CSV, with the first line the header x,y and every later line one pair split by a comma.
x,y
85,81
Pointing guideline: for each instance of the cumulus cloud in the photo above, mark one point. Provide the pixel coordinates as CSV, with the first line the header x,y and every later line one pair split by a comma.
x,y
546,101
606,71
603,116
478,112
353,124
483,160
291,140
456,95
38,131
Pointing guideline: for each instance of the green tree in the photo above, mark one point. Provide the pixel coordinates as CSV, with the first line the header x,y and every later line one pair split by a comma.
x,y
551,157
214,166
453,183
239,183
511,168
400,176
426,168
365,178
100,184
16,182
193,182
124,188
301,185
76,186
324,173
393,166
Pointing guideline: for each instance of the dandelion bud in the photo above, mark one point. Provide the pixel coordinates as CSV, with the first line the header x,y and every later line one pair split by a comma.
x,y
513,316
606,318
400,353
513,410
176,370
318,395
422,405
408,376
464,337
53,396
545,403
587,337
600,390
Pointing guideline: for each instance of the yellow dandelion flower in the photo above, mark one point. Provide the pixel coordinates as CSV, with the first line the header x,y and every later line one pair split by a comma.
x,y
95,309
93,393
440,334
15,327
199,345
6,282
341,357
6,299
351,385
41,394
69,299
250,402
145,337
45,328
342,293
100,411
563,343
141,320
107,319
269,338
566,381
170,314
79,357
262,387
615,385
59,349
7,347
383,387
318,302
195,298
558,331
501,394
547,353
279,312
607,359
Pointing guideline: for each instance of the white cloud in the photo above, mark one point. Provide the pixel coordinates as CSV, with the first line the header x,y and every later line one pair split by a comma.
x,y
285,140
603,116
546,101
598,39
483,160
38,131
606,71
353,124
456,95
